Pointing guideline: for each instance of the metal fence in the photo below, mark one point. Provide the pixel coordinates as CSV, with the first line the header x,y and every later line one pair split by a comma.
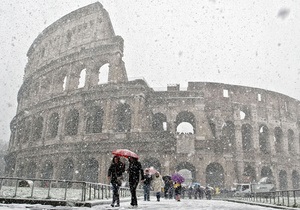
x,y
289,198
12,187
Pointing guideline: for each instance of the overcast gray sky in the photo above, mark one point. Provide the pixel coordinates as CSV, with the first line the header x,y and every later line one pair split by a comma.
x,y
252,43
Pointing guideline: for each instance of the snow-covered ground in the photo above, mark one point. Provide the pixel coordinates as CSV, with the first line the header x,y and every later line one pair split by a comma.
x,y
153,204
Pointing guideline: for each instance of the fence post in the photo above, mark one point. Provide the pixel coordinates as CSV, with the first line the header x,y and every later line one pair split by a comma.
x,y
294,194
31,195
83,191
17,182
49,188
66,187
288,198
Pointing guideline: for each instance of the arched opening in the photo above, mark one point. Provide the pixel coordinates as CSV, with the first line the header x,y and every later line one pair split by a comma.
x,y
67,171
295,180
72,120
264,144
47,173
215,175
247,137
283,180
103,74
249,173
82,78
185,128
94,121
188,177
188,171
267,172
278,139
186,117
228,136
123,118
91,171
159,122
53,125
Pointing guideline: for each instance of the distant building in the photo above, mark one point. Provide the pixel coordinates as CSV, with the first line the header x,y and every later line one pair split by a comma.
x,y
67,122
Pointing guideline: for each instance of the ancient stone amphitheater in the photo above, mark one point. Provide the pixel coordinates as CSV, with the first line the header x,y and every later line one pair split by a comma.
x,y
68,122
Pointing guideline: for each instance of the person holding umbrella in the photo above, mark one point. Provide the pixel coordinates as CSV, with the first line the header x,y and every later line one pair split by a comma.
x,y
178,180
115,172
135,172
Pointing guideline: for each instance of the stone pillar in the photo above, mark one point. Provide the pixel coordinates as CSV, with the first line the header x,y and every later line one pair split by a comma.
x,y
92,76
73,78
239,165
81,122
117,72
255,138
138,115
272,141
108,117
61,125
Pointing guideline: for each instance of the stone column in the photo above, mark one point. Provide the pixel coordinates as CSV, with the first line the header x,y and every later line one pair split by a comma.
x,y
92,76
73,78
108,117
239,165
117,72
137,115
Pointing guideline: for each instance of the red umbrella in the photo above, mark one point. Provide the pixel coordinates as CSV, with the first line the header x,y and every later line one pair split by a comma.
x,y
125,153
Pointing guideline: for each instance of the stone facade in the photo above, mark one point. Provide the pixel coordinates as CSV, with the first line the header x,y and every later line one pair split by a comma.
x,y
66,129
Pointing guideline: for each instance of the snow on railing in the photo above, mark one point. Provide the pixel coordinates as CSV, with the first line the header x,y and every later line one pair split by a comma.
x,y
49,189
290,198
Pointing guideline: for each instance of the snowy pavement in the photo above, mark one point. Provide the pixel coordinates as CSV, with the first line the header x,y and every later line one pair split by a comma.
x,y
185,204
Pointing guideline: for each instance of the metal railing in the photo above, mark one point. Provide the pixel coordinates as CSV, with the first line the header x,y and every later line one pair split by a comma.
x,y
13,187
289,198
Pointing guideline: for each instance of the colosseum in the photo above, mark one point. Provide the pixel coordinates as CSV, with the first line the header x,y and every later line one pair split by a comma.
x,y
67,122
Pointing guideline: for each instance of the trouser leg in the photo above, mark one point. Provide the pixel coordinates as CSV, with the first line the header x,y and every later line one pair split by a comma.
x,y
133,187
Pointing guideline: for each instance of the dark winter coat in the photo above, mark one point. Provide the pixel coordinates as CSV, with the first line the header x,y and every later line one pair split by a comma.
x,y
115,170
147,179
135,170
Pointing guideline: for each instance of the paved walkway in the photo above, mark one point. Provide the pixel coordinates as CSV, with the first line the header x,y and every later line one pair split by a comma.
x,y
184,204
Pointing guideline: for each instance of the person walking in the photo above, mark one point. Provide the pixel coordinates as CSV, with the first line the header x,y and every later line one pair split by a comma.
x,y
177,189
157,184
136,174
115,174
147,184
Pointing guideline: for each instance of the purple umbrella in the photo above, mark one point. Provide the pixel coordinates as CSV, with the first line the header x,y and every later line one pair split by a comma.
x,y
177,178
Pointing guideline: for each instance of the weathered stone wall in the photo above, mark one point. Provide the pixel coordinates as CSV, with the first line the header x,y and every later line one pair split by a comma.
x,y
66,131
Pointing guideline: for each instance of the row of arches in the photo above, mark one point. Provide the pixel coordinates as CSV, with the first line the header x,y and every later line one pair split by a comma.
x,y
228,138
88,170
51,83
215,173
32,128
